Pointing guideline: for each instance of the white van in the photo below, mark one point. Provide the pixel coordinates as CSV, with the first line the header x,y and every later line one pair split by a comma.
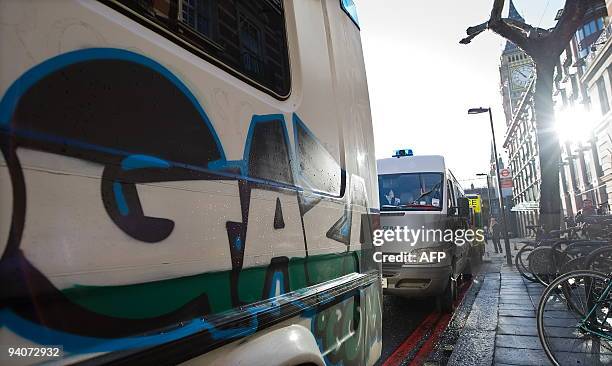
x,y
421,194
187,182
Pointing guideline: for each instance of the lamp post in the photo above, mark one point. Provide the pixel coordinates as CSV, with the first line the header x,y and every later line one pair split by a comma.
x,y
488,194
499,188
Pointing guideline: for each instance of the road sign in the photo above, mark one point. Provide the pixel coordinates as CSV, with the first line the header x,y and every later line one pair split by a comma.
x,y
526,206
506,182
475,204
505,178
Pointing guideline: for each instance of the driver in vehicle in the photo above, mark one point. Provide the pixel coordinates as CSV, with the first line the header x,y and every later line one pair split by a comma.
x,y
391,199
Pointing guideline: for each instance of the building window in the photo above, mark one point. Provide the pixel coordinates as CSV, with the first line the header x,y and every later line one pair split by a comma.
x,y
245,38
580,34
587,168
563,97
576,170
603,96
196,13
610,75
574,82
589,28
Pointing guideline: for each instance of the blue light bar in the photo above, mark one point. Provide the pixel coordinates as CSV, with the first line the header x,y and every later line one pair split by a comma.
x,y
403,152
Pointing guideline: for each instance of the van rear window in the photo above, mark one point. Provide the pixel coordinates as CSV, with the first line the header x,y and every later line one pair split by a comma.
x,y
245,38
410,191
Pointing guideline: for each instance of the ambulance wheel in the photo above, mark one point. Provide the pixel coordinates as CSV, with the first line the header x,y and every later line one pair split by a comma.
x,y
445,302
466,275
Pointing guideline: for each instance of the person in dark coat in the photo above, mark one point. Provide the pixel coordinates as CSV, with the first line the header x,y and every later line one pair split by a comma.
x,y
587,208
496,231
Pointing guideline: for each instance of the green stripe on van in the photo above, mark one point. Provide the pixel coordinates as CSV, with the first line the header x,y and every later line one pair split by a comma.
x,y
152,299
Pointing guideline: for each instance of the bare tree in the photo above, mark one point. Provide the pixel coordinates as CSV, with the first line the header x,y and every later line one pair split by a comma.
x,y
544,46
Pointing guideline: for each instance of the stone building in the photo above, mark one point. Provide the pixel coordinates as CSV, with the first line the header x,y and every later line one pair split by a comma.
x,y
597,80
580,173
575,114
516,73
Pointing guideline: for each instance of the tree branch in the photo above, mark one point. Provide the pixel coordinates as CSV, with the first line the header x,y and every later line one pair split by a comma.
x,y
496,12
477,28
474,31
515,31
524,28
528,30
572,17
515,34
536,42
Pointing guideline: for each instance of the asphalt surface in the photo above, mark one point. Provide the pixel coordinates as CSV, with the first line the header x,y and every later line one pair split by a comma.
x,y
400,318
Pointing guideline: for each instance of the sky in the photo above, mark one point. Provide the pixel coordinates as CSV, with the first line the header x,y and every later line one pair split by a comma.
x,y
422,81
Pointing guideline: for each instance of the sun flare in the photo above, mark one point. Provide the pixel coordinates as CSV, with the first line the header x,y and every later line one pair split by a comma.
x,y
574,124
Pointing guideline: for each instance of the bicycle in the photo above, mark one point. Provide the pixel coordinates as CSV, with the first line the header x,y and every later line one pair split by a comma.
x,y
559,251
573,319
533,260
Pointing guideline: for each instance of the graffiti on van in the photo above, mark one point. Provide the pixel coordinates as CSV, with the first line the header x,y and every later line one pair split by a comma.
x,y
130,115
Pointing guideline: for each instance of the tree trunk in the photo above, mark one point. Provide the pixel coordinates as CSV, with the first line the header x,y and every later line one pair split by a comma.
x,y
544,47
548,145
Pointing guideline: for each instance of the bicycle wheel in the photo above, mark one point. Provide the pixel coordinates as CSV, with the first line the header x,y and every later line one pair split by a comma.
x,y
572,265
541,264
600,260
522,264
573,319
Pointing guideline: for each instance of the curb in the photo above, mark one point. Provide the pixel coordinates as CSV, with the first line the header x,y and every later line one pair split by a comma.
x,y
476,343
446,344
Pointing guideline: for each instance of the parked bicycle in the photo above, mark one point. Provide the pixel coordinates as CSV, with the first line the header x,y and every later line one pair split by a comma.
x,y
556,252
574,319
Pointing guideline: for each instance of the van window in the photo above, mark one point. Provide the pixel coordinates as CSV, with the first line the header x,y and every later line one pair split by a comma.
x,y
245,38
458,192
410,191
450,194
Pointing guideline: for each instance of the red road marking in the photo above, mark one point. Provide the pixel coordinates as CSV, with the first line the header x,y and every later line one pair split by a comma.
x,y
399,355
430,328
426,348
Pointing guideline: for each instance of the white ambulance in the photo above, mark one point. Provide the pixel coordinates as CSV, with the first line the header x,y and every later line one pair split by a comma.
x,y
422,203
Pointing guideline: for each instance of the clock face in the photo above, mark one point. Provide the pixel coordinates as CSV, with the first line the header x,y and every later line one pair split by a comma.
x,y
521,76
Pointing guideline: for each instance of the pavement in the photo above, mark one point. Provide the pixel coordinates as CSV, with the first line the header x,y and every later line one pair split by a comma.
x,y
496,323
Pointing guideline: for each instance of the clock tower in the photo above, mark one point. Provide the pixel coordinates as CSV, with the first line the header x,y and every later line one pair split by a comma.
x,y
516,71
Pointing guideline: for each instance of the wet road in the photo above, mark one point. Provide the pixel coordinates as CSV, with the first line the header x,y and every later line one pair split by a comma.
x,y
411,328
401,317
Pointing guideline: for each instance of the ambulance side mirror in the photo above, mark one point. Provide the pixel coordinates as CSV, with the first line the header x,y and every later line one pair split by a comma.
x,y
463,205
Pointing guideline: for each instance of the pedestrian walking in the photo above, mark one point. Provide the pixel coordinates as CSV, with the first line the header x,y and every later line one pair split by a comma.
x,y
496,231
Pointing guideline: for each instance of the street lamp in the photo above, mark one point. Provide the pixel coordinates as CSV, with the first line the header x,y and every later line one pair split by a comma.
x,y
499,188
